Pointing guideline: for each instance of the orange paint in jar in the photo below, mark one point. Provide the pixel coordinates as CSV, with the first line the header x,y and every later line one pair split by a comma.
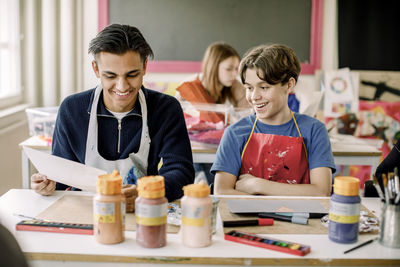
x,y
151,212
109,209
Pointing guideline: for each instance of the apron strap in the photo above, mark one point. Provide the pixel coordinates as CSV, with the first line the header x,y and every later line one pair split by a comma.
x,y
248,140
295,122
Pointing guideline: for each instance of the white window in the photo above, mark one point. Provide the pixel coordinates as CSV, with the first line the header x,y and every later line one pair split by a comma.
x,y
10,66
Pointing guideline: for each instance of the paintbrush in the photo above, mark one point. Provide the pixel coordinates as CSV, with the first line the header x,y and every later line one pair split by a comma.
x,y
377,187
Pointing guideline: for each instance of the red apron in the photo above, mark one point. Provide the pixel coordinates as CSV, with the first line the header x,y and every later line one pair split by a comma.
x,y
275,157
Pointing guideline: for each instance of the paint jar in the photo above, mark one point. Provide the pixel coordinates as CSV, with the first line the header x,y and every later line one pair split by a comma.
x,y
109,209
214,214
344,210
151,212
196,215
389,234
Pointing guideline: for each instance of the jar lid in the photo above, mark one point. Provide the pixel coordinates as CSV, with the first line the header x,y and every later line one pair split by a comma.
x,y
346,186
197,190
109,184
151,186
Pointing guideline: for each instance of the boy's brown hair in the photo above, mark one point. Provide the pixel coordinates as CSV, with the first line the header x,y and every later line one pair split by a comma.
x,y
275,63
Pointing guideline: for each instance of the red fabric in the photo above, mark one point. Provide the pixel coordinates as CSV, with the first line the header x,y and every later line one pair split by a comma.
x,y
210,137
204,131
195,92
277,158
391,109
202,126
362,172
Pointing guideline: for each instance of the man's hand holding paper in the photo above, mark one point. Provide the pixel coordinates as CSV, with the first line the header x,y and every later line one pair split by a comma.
x,y
61,170
42,185
71,173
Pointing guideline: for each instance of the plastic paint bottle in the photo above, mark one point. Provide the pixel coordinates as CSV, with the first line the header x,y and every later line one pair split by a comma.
x,y
344,211
151,212
109,209
196,215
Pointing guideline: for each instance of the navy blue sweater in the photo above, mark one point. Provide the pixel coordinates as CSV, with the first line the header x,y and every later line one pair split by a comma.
x,y
167,129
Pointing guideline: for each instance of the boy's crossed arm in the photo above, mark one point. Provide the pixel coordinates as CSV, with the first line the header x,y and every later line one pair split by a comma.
x,y
228,184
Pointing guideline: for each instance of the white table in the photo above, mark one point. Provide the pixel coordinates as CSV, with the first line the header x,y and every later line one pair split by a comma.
x,y
54,249
347,150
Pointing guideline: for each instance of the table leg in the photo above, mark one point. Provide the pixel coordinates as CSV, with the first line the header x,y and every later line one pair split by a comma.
x,y
372,161
25,170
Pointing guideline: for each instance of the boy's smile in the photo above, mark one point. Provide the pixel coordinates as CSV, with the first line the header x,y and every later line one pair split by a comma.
x,y
269,101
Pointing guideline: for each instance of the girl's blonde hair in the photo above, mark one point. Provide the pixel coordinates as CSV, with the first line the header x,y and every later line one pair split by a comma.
x,y
214,55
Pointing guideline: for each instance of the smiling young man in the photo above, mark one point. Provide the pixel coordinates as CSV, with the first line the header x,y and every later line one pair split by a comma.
x,y
120,124
274,151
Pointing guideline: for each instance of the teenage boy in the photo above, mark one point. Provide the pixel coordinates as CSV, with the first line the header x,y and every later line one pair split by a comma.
x,y
274,151
120,125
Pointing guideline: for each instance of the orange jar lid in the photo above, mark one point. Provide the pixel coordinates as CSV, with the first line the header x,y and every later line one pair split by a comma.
x,y
346,186
109,184
151,186
197,190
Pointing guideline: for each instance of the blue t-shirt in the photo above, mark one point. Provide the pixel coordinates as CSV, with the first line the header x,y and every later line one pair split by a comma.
x,y
313,131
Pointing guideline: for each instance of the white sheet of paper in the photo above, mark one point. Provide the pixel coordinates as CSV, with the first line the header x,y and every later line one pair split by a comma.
x,y
309,105
63,170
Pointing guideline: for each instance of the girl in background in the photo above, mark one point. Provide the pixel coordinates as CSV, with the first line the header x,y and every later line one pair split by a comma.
x,y
217,84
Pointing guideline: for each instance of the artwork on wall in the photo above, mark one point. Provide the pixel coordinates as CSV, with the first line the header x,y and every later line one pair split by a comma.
x,y
341,92
377,115
379,111
379,85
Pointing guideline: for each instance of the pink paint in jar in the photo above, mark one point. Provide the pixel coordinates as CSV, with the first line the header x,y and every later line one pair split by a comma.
x,y
196,215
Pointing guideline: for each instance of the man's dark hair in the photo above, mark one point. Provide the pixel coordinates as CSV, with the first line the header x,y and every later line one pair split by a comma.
x,y
119,39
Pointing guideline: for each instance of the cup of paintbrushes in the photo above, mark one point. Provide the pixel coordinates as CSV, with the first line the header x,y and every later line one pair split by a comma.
x,y
389,235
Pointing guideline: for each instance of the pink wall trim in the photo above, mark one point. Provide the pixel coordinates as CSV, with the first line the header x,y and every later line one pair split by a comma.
x,y
174,66
195,66
103,14
317,13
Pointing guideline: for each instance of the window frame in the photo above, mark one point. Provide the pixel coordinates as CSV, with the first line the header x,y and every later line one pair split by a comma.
x,y
14,45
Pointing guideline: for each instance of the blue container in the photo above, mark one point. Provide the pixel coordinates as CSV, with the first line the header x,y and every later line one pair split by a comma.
x,y
344,211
